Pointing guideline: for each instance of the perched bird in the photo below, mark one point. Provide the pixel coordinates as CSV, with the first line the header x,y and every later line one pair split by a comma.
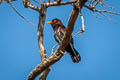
x,y
59,30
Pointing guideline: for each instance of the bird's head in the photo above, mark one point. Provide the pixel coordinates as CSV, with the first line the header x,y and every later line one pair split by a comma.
x,y
55,23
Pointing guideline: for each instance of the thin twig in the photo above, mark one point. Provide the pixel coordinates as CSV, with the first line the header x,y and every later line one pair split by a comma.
x,y
107,6
101,3
40,2
80,32
28,4
29,22
104,11
96,3
91,3
108,18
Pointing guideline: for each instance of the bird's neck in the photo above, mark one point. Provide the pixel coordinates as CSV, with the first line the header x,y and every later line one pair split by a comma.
x,y
55,27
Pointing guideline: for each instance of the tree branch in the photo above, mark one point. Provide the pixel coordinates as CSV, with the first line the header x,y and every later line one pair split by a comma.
x,y
40,34
25,19
58,4
83,25
42,18
27,4
101,11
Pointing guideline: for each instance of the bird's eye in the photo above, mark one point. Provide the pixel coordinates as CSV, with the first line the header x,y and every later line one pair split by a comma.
x,y
55,20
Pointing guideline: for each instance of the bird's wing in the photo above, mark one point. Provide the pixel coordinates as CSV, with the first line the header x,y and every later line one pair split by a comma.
x,y
62,30
59,35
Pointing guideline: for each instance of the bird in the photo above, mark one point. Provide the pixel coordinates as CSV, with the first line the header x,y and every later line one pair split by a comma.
x,y
59,31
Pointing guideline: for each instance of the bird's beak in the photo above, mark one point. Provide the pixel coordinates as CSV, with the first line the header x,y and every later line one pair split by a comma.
x,y
49,22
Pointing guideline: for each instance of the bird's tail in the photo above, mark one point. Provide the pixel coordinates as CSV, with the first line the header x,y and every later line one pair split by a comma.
x,y
74,54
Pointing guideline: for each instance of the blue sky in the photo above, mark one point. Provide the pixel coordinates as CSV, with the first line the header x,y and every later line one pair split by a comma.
x,y
99,46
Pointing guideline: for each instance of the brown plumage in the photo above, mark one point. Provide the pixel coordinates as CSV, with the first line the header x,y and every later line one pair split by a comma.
x,y
59,30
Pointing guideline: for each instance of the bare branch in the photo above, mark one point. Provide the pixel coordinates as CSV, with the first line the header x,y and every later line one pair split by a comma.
x,y
91,2
41,67
21,15
96,3
102,11
107,6
80,32
58,4
106,11
40,2
42,18
101,3
107,17
28,4
44,74
40,34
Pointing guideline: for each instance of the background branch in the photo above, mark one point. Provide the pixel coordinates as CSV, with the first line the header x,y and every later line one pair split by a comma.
x,y
101,11
27,4
40,34
42,18
59,4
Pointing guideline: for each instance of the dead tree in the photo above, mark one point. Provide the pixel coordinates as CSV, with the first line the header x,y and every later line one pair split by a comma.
x,y
43,68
